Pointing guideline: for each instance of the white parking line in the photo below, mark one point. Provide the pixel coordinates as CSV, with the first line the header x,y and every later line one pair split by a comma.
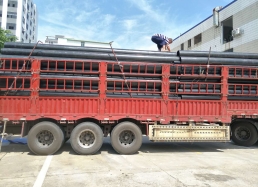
x,y
42,174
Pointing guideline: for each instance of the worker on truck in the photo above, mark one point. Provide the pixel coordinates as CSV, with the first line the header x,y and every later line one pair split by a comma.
x,y
162,41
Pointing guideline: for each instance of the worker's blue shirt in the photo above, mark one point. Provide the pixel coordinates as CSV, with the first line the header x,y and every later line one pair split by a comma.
x,y
160,40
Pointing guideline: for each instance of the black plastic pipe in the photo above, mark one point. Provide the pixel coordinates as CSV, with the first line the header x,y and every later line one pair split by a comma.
x,y
243,98
199,91
85,49
201,97
202,86
89,55
217,54
219,61
242,92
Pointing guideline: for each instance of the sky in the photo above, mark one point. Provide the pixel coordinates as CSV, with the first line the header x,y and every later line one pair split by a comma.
x,y
129,23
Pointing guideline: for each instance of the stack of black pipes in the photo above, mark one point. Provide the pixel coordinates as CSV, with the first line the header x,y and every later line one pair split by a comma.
x,y
69,53
237,76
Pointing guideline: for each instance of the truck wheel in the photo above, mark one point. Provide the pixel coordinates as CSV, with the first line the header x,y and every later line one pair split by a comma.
x,y
45,138
126,138
86,138
244,134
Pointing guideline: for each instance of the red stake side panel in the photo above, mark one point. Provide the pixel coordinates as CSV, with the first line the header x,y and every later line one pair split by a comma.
x,y
133,106
76,107
14,108
192,110
243,108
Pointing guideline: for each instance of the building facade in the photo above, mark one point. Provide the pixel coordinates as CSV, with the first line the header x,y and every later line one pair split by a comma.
x,y
231,28
62,40
21,18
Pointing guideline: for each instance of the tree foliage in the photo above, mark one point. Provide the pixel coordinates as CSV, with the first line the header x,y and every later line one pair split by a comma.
x,y
6,36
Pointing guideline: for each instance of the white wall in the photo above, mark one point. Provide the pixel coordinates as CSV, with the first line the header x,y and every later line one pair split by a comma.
x,y
250,30
4,14
19,20
62,41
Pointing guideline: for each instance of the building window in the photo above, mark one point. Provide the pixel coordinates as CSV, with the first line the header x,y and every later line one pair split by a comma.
x,y
182,46
26,36
12,15
11,27
229,50
198,39
227,27
82,44
30,32
14,5
189,43
23,20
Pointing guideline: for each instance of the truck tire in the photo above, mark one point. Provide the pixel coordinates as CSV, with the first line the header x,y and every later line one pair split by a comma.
x,y
126,138
45,138
86,138
244,134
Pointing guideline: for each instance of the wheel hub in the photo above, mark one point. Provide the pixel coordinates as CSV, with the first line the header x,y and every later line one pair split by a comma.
x,y
126,137
45,138
243,133
86,139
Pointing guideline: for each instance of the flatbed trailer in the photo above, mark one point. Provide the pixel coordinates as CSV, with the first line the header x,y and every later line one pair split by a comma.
x,y
94,106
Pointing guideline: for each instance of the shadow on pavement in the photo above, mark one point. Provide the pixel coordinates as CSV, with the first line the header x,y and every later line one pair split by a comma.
x,y
147,147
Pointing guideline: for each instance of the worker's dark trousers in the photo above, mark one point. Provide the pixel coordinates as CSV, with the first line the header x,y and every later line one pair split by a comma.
x,y
159,41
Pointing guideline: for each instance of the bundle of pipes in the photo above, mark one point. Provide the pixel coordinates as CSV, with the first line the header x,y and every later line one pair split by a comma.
x,y
184,57
218,58
237,89
187,90
46,51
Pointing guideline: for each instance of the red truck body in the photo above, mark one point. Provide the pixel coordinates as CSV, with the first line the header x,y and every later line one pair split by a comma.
x,y
110,110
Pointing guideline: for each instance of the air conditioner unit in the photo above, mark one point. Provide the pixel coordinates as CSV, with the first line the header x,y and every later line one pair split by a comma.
x,y
237,32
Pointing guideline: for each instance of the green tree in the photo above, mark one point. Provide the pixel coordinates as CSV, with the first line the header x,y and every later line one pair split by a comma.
x,y
6,36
